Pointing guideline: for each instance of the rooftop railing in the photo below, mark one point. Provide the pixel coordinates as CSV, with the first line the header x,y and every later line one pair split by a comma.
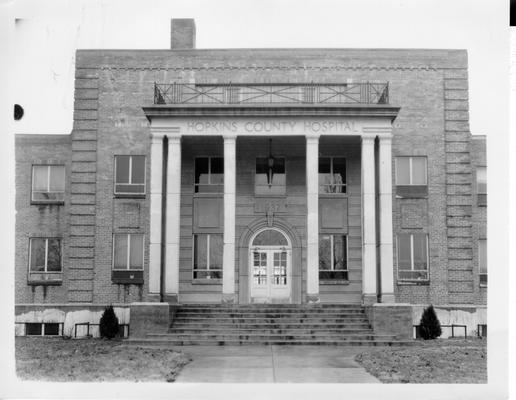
x,y
276,93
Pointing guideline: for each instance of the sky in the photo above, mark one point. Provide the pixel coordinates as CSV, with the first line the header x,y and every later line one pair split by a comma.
x,y
49,32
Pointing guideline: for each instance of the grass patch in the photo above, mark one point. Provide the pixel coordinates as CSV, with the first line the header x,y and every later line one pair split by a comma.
x,y
432,361
58,359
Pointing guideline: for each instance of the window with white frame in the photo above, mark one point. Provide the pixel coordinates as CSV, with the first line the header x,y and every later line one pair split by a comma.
x,y
207,256
128,251
482,261
411,171
48,183
45,255
209,175
129,175
333,260
332,175
412,256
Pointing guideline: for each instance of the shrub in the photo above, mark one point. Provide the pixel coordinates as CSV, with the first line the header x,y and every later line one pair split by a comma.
x,y
108,323
429,326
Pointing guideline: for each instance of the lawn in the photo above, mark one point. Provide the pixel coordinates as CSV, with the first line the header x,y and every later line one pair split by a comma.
x,y
432,361
57,359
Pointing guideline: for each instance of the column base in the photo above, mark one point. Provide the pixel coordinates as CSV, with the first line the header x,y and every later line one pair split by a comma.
x,y
171,298
369,299
313,299
388,298
228,298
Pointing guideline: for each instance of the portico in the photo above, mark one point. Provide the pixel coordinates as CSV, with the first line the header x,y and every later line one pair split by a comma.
x,y
366,129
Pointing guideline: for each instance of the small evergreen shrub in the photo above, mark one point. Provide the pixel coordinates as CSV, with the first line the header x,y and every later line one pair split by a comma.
x,y
108,323
429,326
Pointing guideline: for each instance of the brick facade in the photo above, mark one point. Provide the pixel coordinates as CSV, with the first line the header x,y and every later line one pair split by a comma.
x,y
429,86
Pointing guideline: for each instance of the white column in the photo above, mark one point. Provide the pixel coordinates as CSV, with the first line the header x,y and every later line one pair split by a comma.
x,y
386,242
173,216
312,222
368,221
228,257
156,184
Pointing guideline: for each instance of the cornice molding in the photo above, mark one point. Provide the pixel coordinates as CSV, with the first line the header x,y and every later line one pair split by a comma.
x,y
316,110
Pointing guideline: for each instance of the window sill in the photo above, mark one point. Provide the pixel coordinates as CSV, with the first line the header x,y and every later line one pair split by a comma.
x,y
334,282
47,202
268,196
127,277
208,194
483,286
413,283
332,195
45,278
207,282
129,196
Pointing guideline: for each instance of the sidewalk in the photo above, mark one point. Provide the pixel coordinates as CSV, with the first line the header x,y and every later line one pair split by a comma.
x,y
267,364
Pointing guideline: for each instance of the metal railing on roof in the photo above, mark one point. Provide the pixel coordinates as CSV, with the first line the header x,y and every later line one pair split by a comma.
x,y
273,93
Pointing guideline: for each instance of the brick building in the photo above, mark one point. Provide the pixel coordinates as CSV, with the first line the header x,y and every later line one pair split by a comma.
x,y
254,175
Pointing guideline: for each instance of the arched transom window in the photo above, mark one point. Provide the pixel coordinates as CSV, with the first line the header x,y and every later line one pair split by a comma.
x,y
270,237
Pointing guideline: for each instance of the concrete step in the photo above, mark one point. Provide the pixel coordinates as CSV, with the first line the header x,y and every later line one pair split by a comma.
x,y
199,342
270,321
279,325
252,311
289,331
271,306
269,335
267,315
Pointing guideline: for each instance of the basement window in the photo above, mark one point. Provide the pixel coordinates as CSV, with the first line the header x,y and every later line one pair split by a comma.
x,y
48,183
130,176
42,329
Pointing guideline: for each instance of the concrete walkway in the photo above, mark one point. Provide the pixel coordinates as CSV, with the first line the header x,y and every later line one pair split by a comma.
x,y
267,364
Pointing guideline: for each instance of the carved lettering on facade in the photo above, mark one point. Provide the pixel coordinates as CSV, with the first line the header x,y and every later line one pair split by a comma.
x,y
272,126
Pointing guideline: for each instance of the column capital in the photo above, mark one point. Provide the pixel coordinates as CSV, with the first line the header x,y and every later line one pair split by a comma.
x,y
157,139
312,137
175,139
229,137
368,137
385,137
165,130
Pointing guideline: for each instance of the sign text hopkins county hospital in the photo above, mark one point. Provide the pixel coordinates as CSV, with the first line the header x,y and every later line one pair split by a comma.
x,y
260,126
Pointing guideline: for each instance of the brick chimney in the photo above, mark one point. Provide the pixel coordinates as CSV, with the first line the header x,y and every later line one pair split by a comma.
x,y
182,34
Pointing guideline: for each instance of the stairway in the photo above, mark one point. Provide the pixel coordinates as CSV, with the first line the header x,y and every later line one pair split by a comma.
x,y
279,324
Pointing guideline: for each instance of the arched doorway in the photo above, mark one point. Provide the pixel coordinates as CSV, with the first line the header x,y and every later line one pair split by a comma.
x,y
270,269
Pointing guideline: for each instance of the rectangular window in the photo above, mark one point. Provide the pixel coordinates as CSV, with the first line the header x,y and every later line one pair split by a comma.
x,y
481,186
412,256
270,178
130,175
209,175
333,260
127,251
481,180
42,329
482,261
45,255
207,256
48,183
332,175
411,171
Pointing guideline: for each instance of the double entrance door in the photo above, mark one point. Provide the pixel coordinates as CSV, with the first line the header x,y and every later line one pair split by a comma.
x,y
270,274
